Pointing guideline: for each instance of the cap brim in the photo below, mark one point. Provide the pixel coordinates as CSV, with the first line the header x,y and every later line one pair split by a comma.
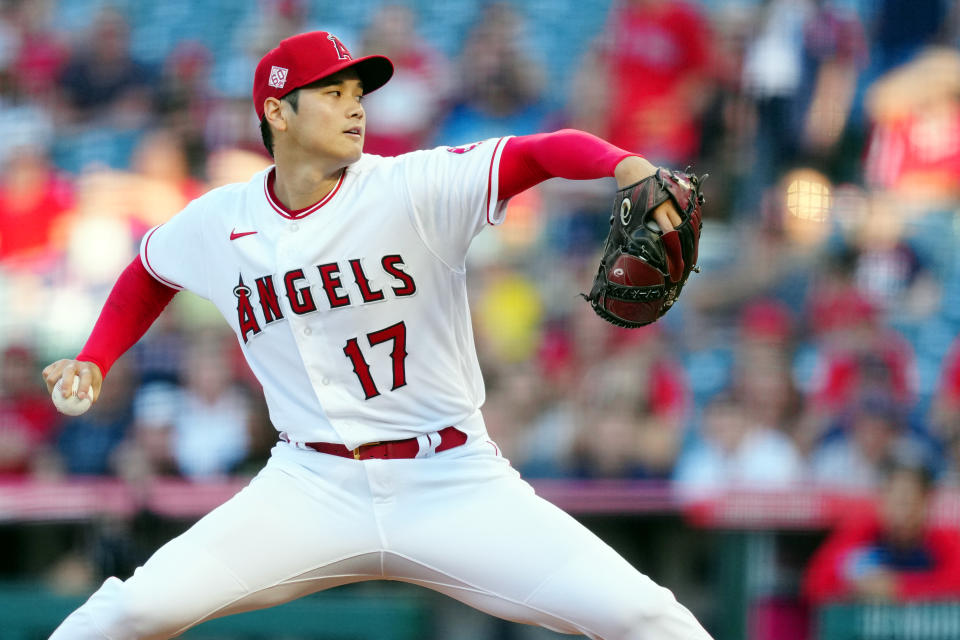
x,y
374,71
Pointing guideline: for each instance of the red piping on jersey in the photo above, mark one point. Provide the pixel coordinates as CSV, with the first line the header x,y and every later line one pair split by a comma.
x,y
299,213
490,177
153,272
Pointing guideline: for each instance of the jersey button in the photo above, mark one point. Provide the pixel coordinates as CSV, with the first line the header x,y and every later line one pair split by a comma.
x,y
307,331
294,227
325,381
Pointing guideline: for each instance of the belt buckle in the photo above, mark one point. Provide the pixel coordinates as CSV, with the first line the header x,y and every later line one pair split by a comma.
x,y
356,452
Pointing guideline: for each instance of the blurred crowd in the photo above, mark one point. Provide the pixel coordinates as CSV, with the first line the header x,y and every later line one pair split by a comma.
x,y
817,344
817,349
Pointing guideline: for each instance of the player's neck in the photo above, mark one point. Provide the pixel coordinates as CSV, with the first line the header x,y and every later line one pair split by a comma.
x,y
299,186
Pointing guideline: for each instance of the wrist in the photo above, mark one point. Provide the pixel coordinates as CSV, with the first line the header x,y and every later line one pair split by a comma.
x,y
97,365
632,169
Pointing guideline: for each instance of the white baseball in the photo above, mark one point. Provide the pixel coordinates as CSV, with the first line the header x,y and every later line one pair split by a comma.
x,y
72,406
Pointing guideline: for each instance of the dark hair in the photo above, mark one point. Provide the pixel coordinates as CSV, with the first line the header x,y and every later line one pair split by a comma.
x,y
265,132
910,458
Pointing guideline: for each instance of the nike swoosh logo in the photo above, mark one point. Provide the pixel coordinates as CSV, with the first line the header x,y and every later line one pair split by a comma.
x,y
234,235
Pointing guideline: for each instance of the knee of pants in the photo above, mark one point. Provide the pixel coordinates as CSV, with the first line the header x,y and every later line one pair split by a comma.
x,y
653,614
121,611
637,610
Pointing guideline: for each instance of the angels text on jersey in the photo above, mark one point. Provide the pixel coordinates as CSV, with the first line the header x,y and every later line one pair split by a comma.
x,y
338,284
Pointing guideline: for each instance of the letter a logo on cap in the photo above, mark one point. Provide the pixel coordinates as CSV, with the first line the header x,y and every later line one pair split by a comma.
x,y
342,52
278,77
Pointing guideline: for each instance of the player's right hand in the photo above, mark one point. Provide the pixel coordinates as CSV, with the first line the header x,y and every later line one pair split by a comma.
x,y
88,372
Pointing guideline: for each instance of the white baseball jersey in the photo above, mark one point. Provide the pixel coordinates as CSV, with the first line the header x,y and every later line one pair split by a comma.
x,y
352,313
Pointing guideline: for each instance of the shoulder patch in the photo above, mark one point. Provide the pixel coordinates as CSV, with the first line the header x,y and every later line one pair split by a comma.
x,y
464,148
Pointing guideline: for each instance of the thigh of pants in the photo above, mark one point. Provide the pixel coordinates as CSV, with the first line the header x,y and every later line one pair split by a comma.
x,y
462,523
292,531
485,538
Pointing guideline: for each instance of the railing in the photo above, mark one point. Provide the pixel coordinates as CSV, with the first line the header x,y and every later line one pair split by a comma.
x,y
926,621
81,498
742,527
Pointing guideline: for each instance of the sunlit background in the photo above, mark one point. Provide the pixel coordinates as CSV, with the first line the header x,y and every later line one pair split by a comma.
x,y
782,449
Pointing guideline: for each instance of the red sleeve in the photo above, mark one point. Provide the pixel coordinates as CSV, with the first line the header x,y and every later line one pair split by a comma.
x,y
568,153
825,580
943,581
134,303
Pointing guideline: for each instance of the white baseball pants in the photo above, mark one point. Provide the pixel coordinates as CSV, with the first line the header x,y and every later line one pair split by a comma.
x,y
461,522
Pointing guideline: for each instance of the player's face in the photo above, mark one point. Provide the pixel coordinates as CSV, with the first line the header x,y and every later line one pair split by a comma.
x,y
330,120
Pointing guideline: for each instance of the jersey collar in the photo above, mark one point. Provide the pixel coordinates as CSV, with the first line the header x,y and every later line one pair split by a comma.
x,y
278,206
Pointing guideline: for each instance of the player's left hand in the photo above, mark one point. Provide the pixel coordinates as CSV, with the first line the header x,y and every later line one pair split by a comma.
x,y
89,374
632,170
652,245
666,216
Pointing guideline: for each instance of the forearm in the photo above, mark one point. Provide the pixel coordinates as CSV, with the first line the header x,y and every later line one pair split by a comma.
x,y
132,306
568,153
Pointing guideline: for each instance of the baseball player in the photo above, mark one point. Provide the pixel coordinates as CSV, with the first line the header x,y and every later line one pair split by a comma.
x,y
343,276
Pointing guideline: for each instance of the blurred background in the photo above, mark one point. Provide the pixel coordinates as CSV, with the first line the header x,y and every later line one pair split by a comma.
x,y
782,450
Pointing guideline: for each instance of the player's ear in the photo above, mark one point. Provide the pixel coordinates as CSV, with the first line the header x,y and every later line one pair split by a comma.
x,y
273,112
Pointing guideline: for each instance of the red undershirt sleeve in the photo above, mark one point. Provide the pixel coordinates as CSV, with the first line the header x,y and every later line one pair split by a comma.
x,y
137,298
132,306
568,153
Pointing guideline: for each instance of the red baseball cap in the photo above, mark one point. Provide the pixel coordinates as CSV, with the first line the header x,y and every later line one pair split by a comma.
x,y
305,58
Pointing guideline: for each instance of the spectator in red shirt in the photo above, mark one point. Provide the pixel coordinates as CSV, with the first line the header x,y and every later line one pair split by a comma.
x,y
653,74
34,201
630,418
859,355
891,552
914,143
601,402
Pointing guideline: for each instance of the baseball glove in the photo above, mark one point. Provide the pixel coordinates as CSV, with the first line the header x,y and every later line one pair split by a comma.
x,y
642,269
